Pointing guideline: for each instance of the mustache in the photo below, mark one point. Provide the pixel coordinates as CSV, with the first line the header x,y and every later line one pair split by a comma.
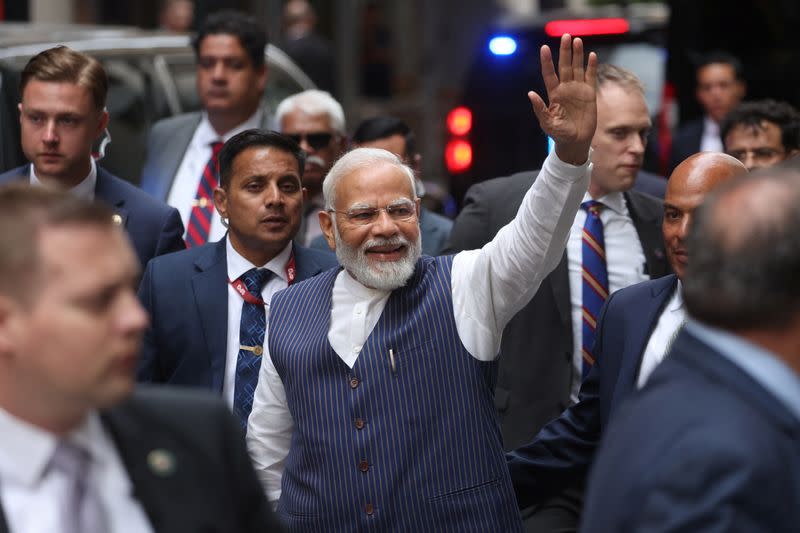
x,y
315,160
397,240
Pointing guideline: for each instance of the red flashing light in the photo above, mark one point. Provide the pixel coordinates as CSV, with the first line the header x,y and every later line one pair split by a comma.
x,y
458,156
584,27
459,121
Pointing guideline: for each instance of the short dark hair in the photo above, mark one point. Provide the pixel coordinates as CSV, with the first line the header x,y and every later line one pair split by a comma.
x,y
743,270
244,27
718,56
64,65
384,126
24,212
256,137
752,114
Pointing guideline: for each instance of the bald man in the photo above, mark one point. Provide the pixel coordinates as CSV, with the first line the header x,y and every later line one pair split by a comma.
x,y
635,332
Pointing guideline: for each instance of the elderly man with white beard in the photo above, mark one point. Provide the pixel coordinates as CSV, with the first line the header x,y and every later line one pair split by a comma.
x,y
374,407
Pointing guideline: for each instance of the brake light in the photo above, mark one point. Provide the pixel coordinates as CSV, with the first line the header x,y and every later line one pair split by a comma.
x,y
584,27
459,121
458,156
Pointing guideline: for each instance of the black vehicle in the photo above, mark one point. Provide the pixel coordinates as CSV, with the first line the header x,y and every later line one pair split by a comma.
x,y
503,136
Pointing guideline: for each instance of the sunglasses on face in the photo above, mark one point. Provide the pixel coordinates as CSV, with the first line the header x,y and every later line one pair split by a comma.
x,y
316,141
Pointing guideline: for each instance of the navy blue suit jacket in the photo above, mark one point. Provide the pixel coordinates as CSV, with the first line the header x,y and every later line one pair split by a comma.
x,y
685,142
703,447
154,227
564,449
186,295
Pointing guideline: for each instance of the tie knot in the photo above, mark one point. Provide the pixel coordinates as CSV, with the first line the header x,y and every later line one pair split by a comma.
x,y
592,206
71,459
255,278
216,146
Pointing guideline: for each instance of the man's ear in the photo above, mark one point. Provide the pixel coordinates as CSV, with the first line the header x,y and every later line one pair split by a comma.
x,y
326,223
221,202
101,125
9,325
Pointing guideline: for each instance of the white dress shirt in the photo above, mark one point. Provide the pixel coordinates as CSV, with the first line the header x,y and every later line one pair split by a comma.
x,y
489,286
669,323
31,493
184,187
238,265
85,189
710,141
625,264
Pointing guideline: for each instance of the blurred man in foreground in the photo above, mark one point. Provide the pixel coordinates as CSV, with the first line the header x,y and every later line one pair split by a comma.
x,y
82,452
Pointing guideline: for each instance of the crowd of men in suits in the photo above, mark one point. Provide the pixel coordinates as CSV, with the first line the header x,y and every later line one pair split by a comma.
x,y
586,346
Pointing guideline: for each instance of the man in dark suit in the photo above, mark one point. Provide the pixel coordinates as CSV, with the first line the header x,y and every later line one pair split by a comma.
x,y
710,444
634,334
79,451
541,346
720,87
61,114
231,75
193,297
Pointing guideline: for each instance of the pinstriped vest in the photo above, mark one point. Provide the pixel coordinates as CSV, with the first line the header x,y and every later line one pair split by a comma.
x,y
412,446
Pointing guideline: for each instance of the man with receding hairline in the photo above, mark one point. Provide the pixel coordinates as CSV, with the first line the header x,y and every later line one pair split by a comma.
x,y
81,450
62,113
635,332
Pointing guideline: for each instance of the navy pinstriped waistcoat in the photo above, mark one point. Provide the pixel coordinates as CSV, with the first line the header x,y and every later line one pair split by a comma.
x,y
404,445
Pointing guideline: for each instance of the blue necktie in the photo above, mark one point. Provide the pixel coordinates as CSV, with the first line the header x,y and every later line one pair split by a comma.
x,y
594,278
251,344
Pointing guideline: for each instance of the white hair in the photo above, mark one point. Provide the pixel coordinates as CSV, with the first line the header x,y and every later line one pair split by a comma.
x,y
312,102
356,159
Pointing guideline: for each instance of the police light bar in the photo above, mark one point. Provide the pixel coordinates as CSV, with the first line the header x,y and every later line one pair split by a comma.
x,y
584,27
502,45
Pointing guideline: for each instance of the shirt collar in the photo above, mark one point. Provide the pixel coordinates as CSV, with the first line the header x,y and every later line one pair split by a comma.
x,y
85,189
710,127
676,302
205,134
28,449
760,364
613,200
238,265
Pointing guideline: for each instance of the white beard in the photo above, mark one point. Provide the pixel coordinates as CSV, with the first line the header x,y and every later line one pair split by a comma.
x,y
381,275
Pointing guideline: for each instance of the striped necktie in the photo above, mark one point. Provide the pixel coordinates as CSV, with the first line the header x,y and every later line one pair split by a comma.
x,y
594,278
252,328
203,205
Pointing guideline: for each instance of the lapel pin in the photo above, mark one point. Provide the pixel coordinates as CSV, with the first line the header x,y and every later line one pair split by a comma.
x,y
161,462
116,218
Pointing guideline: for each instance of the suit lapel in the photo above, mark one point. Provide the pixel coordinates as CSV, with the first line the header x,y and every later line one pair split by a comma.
x,y
648,227
152,462
106,190
638,330
3,525
306,265
171,156
210,286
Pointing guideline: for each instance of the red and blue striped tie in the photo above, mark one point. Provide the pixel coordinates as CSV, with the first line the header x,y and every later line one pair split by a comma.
x,y
203,206
595,278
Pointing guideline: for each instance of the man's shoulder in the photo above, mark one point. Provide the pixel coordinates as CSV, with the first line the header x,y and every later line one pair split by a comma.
x,y
14,174
643,203
325,259
185,260
630,295
498,188
178,122
136,198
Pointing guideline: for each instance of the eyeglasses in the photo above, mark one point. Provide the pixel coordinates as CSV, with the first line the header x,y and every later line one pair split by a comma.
x,y
316,141
399,211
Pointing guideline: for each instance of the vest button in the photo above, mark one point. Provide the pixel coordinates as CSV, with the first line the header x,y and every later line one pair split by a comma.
x,y
354,383
359,423
369,509
363,465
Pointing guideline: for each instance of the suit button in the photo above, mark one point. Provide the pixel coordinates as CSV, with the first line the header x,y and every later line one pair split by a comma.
x,y
359,423
363,466
369,509
354,383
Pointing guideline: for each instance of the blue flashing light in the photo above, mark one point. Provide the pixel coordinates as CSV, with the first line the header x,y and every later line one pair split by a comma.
x,y
503,45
